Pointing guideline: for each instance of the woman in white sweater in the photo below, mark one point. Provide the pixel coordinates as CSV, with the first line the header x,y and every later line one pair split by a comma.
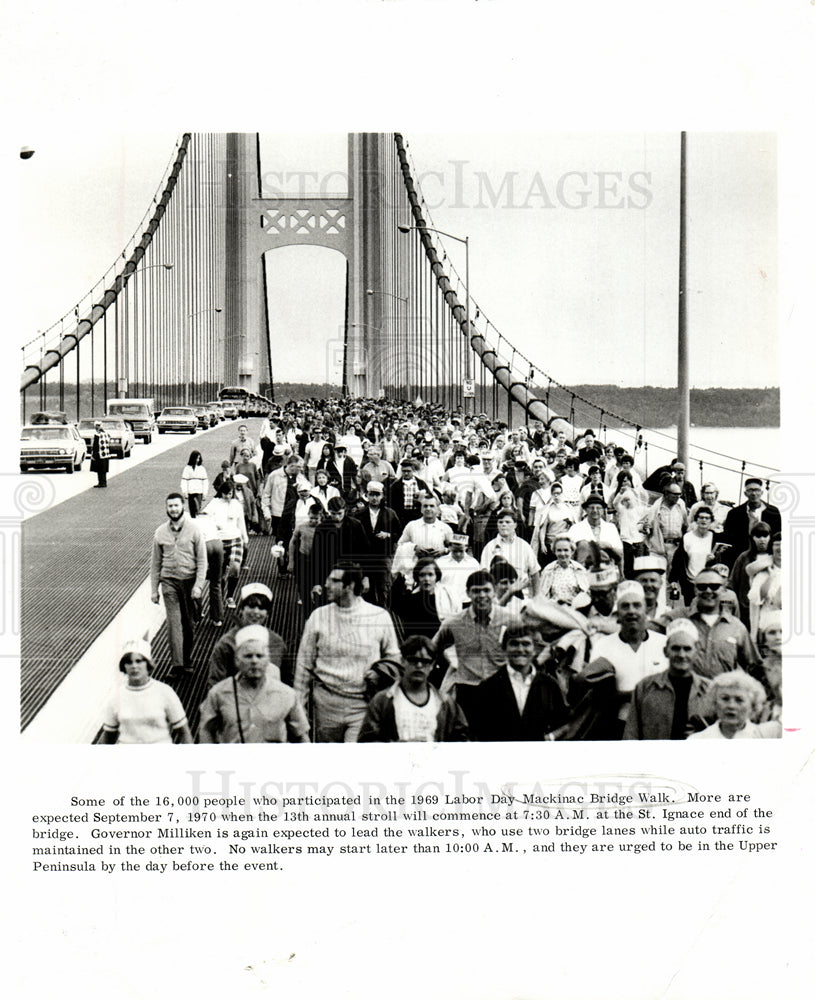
x,y
194,482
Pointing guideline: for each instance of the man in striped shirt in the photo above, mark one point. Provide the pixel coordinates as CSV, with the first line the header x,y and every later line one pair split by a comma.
x,y
340,642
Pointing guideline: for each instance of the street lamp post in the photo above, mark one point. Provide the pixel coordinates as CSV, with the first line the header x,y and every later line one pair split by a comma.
x,y
466,241
215,309
399,298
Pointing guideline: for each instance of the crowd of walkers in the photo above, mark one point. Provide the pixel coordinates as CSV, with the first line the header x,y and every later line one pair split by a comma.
x,y
459,579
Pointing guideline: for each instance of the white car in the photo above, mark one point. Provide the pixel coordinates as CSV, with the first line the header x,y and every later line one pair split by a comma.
x,y
177,418
51,446
122,438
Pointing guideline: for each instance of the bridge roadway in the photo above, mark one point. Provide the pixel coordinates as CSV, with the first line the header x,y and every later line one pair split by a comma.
x,y
88,558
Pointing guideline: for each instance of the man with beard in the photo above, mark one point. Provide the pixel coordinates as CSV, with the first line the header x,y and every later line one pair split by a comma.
x,y
179,566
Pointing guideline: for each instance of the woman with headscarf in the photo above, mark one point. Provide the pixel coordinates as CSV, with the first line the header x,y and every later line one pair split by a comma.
x,y
765,589
770,638
739,580
143,710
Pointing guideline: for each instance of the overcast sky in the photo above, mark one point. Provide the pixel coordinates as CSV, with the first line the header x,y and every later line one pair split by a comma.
x,y
574,243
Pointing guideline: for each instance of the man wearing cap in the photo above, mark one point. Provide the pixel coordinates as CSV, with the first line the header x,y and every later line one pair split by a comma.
x,y
633,651
379,530
406,492
670,705
253,609
600,611
742,519
100,455
179,566
594,528
724,642
649,572
340,642
666,521
253,705
675,471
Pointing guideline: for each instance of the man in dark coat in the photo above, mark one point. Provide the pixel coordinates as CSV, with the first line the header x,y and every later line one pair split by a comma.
x,y
404,493
517,702
380,530
338,537
343,470
742,519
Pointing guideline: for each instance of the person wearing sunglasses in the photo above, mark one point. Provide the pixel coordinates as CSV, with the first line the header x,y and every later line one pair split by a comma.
x,y
412,710
724,642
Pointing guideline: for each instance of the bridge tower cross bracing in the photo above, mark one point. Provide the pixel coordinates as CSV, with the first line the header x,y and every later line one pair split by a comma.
x,y
352,225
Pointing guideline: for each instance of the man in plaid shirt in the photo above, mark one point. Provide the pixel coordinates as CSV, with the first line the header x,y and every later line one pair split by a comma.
x,y
100,454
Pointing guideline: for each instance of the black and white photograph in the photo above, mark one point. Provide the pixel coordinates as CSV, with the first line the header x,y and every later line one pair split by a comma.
x,y
428,378
437,527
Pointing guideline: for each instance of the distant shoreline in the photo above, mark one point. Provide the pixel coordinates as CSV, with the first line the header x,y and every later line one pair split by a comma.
x,y
648,406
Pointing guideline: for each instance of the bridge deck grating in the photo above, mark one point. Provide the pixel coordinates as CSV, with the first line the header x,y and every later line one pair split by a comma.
x,y
83,559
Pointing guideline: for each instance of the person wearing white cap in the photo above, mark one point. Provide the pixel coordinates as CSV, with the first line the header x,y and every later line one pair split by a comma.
x,y
252,706
143,710
649,572
671,704
254,608
633,651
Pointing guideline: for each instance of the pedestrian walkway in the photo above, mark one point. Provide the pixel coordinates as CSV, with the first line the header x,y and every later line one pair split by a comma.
x,y
83,560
